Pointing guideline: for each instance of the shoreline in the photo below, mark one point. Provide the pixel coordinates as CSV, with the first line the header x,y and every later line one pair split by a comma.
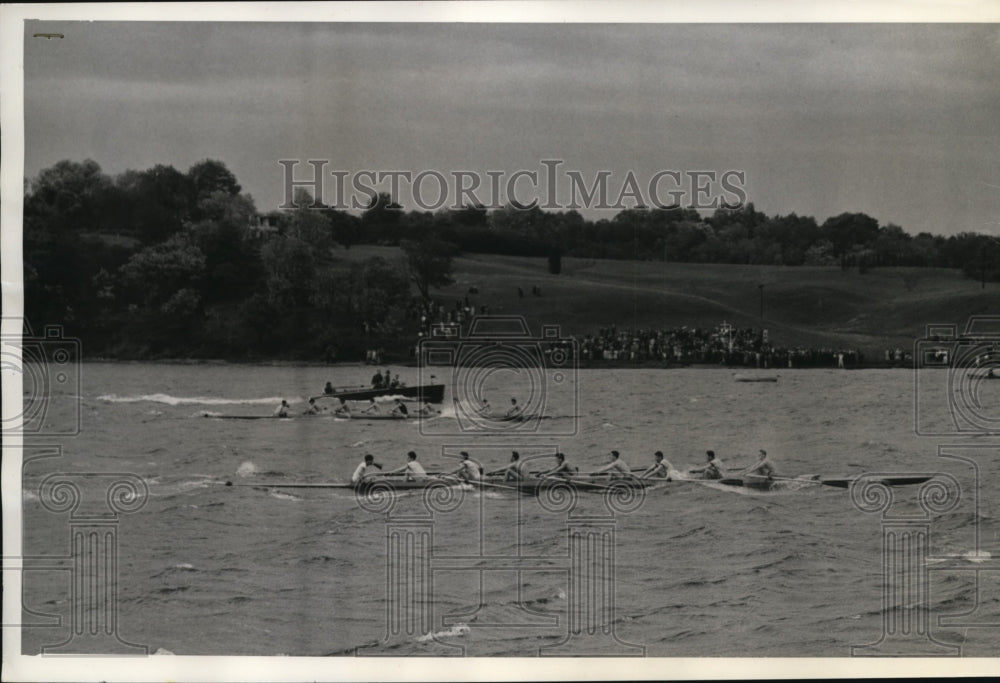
x,y
609,365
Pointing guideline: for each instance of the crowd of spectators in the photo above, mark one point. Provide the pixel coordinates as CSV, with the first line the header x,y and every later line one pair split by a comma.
x,y
722,345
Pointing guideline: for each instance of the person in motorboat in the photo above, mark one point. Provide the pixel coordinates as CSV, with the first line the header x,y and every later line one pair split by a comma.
x,y
616,466
328,389
413,469
364,469
377,380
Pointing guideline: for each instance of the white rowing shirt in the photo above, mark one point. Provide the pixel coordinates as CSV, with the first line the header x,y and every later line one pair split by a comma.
x,y
360,472
470,470
415,470
620,467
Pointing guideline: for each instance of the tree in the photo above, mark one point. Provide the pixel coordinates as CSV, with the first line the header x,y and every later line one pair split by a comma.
x,y
849,230
555,261
429,263
208,178
382,218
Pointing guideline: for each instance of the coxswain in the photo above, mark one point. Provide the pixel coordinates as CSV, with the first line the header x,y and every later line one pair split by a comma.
x,y
514,471
468,469
362,470
282,410
312,408
513,411
400,410
763,466
562,468
413,469
328,389
616,466
660,469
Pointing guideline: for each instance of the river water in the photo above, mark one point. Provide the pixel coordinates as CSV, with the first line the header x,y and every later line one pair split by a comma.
x,y
694,569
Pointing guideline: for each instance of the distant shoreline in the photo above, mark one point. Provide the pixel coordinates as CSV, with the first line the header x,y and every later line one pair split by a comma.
x,y
590,365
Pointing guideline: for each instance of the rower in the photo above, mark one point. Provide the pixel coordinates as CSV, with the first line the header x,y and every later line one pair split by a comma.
x,y
312,408
562,468
468,470
362,470
372,407
514,410
282,410
763,466
660,469
413,469
484,409
713,469
328,389
342,409
616,466
513,471
400,410
427,409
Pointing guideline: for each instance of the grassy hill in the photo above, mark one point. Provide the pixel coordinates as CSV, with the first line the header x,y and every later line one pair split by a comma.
x,y
809,306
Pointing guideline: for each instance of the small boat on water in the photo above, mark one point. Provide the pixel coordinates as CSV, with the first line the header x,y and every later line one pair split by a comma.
x,y
742,377
429,393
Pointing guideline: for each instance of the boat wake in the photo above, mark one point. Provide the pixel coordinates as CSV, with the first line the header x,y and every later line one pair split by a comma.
x,y
192,400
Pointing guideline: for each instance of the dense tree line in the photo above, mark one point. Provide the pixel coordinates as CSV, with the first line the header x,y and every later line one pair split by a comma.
x,y
165,263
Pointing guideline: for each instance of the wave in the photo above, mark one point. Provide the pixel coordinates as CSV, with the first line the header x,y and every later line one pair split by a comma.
x,y
454,631
194,400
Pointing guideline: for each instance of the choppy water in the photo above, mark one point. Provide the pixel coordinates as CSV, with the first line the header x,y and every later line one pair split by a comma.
x,y
699,570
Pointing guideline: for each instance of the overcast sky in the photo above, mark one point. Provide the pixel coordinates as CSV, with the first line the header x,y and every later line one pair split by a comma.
x,y
899,121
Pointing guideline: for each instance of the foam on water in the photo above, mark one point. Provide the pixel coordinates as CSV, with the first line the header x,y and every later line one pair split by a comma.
x,y
189,400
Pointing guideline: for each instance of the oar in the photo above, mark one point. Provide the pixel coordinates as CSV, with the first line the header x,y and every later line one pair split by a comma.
x,y
505,487
293,485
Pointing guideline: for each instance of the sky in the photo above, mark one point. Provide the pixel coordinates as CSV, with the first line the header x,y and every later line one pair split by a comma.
x,y
899,121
